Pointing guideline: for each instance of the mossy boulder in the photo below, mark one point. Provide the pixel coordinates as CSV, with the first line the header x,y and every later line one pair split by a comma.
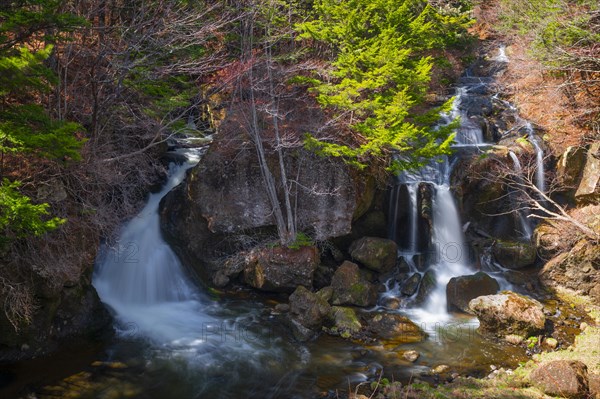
x,y
377,254
308,308
563,378
345,321
514,254
508,313
350,287
461,290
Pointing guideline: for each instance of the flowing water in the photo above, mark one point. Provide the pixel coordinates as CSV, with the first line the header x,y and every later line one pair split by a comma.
x,y
526,228
175,340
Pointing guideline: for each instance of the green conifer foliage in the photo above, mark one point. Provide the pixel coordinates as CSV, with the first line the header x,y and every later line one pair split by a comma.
x,y
381,71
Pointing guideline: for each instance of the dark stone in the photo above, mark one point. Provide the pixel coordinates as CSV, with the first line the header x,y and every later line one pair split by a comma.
x,y
391,326
460,290
378,254
281,269
308,308
564,378
351,288
514,254
411,285
428,283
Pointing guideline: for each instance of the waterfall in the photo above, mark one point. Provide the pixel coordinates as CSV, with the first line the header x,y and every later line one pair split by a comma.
x,y
523,220
539,158
143,282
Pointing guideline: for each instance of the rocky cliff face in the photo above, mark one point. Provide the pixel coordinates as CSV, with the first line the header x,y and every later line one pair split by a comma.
x,y
222,208
50,300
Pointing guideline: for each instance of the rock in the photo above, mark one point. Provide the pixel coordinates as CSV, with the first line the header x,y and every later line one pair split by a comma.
x,y
325,293
460,290
280,269
223,205
53,191
514,339
577,270
411,285
548,240
308,308
514,254
345,321
508,313
594,385
441,369
282,307
551,343
589,187
564,378
300,332
571,165
351,288
411,356
428,283
391,303
391,326
378,254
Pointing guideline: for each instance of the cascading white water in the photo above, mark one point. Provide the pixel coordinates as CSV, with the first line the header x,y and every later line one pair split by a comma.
x,y
143,282
525,224
540,181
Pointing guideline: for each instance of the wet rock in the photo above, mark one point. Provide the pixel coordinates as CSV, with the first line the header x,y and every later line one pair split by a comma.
x,y
411,285
282,307
391,303
564,378
391,326
345,321
514,254
351,288
300,332
508,313
425,216
460,290
280,269
589,187
428,283
308,308
441,369
378,254
411,356
514,339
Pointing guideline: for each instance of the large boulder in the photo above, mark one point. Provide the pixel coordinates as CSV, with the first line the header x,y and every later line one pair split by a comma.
x,y
280,269
410,286
589,186
460,290
378,254
222,207
508,313
563,378
350,287
308,308
578,269
514,254
570,166
391,326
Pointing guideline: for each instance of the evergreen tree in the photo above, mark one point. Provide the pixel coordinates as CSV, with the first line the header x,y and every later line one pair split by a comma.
x,y
380,72
26,129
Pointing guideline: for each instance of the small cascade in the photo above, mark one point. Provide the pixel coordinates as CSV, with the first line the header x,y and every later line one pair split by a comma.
x,y
501,57
526,228
540,181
